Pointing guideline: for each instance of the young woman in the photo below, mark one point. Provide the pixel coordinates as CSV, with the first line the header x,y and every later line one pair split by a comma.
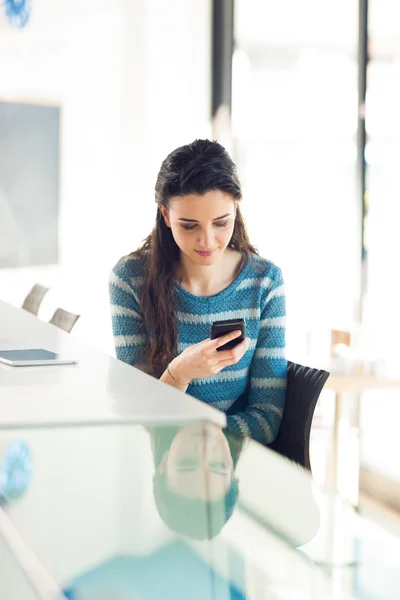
x,y
196,267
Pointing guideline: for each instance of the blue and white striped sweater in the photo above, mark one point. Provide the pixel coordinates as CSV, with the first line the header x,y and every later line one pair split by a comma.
x,y
257,295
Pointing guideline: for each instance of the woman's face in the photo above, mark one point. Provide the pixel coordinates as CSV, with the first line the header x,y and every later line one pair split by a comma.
x,y
202,226
199,463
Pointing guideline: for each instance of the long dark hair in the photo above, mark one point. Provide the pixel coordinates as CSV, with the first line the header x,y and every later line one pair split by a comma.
x,y
197,168
193,517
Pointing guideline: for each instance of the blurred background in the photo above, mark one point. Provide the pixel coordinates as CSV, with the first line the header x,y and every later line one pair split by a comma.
x,y
303,93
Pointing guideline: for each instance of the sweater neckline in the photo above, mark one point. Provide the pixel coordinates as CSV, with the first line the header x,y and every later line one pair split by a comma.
x,y
223,293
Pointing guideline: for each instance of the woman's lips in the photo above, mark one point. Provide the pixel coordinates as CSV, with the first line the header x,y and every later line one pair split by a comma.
x,y
205,252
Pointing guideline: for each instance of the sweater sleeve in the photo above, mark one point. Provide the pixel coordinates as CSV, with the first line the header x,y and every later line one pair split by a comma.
x,y
268,371
127,318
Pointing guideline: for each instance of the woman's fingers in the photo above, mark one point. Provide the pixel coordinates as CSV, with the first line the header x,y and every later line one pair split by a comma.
x,y
203,360
220,341
231,357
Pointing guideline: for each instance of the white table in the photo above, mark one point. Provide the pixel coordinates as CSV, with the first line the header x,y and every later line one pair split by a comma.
x,y
99,389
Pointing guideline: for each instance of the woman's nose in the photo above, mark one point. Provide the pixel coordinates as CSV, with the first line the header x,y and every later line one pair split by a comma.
x,y
206,239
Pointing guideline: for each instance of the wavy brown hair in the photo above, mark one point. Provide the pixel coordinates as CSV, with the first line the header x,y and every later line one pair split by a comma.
x,y
196,168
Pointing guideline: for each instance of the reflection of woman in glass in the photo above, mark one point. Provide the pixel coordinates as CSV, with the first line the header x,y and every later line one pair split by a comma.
x,y
194,484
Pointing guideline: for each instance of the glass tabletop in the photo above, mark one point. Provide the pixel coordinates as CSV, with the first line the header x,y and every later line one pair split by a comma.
x,y
187,511
13,583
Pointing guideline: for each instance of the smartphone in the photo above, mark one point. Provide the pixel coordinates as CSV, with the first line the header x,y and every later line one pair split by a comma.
x,y
222,327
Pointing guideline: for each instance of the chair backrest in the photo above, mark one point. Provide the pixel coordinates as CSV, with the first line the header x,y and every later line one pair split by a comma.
x,y
64,319
304,386
34,299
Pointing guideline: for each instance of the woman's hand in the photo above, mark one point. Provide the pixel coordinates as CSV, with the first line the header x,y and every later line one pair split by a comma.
x,y
203,360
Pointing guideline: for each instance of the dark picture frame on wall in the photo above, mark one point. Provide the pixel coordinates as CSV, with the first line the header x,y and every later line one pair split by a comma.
x,y
29,184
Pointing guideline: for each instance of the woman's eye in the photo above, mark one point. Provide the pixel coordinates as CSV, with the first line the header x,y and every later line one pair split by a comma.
x,y
191,227
186,465
218,465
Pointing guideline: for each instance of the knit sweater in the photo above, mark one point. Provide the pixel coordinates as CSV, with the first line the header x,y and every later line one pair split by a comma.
x,y
259,378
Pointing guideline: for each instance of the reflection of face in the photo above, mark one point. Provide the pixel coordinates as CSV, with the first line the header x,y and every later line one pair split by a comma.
x,y
202,226
199,462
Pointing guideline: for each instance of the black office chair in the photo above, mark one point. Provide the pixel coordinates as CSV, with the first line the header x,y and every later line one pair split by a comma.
x,y
304,386
34,299
64,319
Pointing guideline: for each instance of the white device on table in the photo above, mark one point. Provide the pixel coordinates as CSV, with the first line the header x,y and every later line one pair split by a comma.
x,y
31,357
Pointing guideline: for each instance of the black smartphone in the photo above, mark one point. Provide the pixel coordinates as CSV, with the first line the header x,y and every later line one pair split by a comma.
x,y
222,327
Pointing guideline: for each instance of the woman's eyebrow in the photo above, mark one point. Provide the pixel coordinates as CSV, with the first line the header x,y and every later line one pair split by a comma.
x,y
194,220
223,217
185,469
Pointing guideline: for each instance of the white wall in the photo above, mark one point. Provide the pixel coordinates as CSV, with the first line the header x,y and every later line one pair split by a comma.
x,y
133,82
